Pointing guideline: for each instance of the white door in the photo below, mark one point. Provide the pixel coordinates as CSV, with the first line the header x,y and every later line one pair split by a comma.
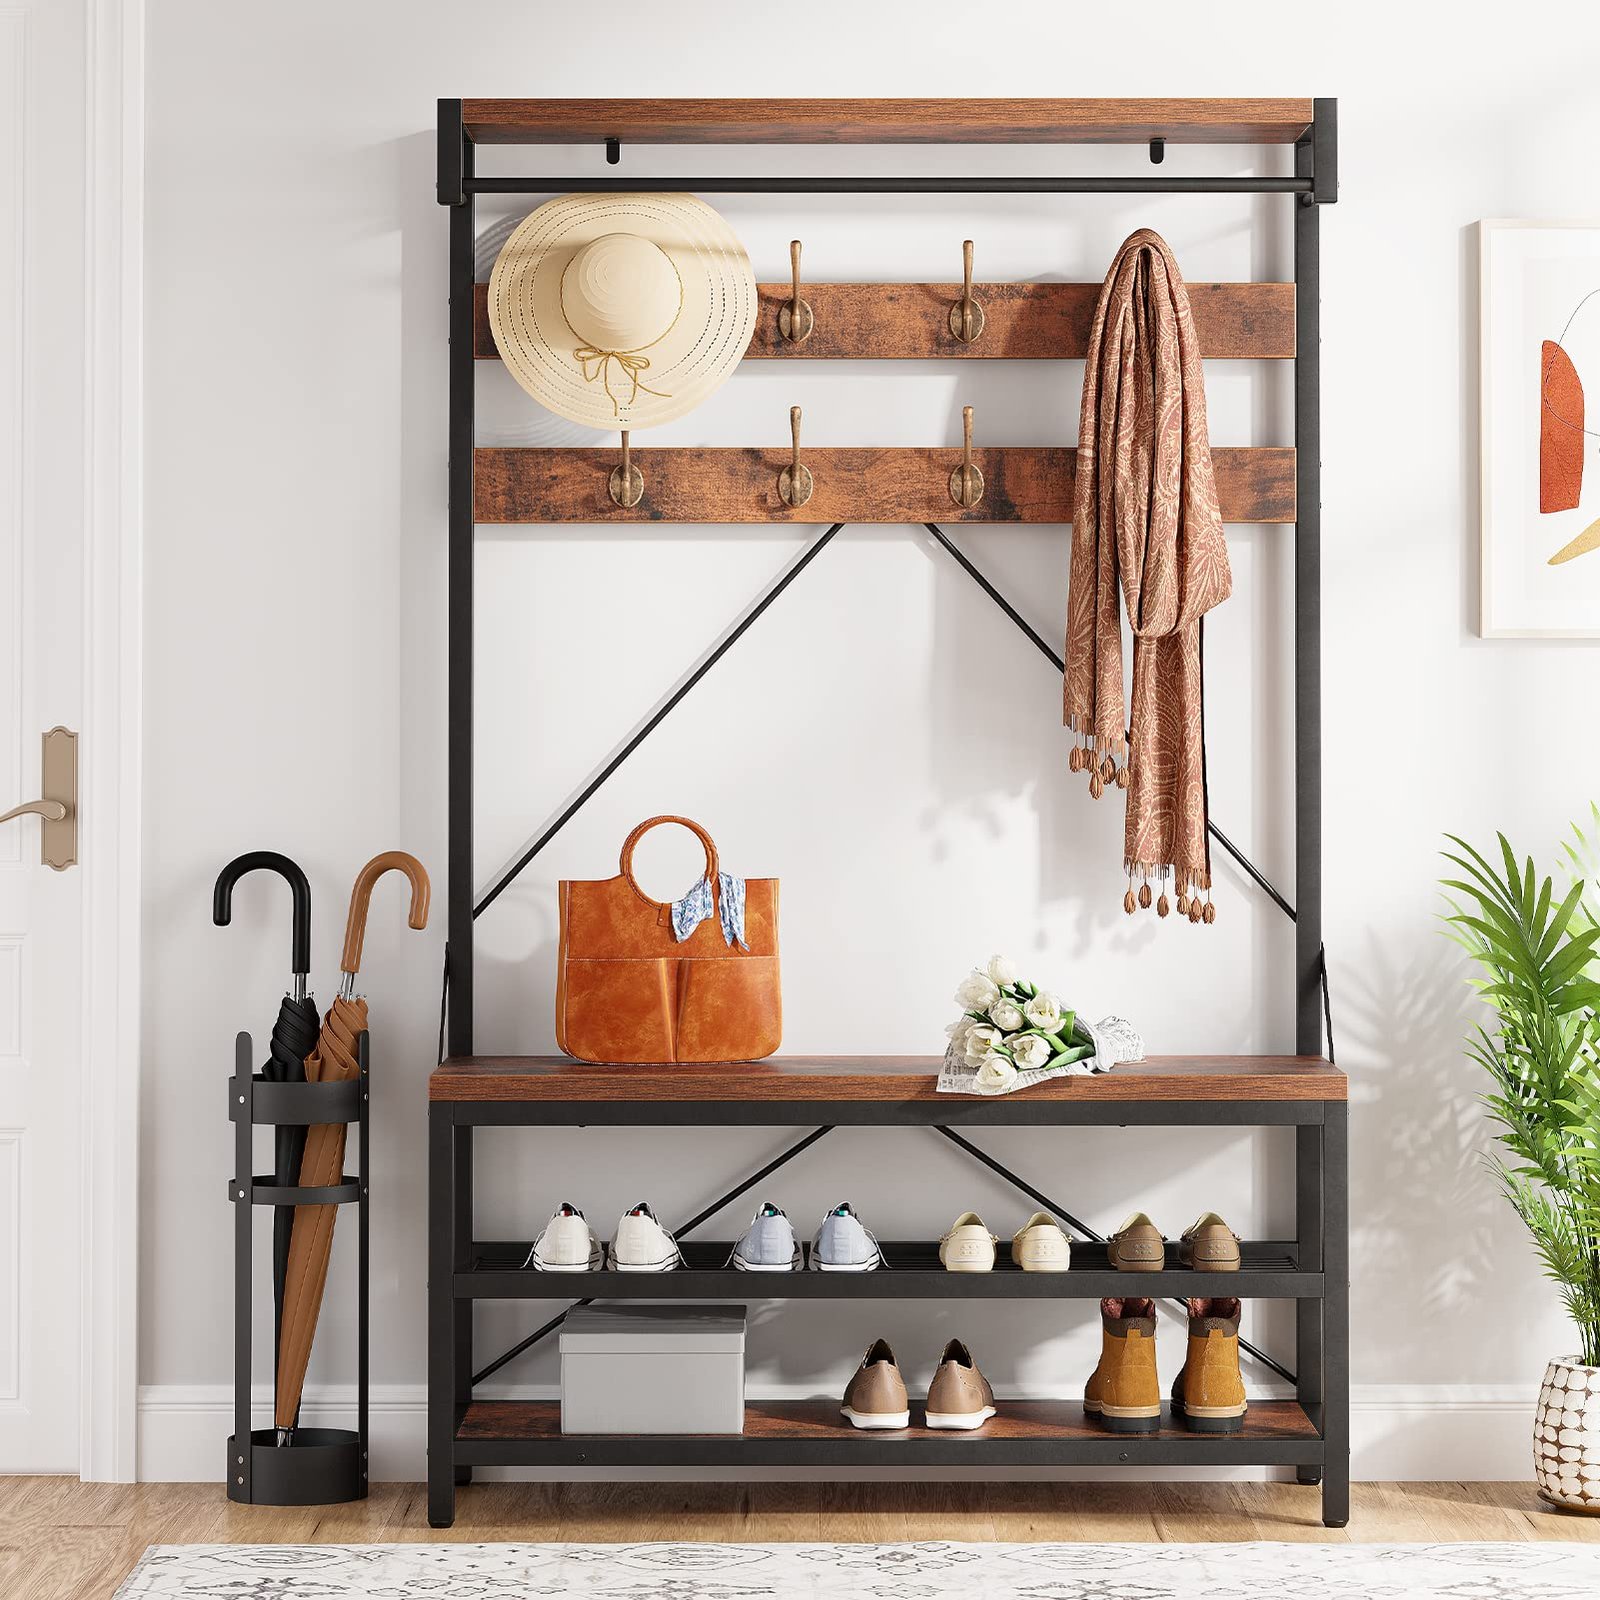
x,y
42,519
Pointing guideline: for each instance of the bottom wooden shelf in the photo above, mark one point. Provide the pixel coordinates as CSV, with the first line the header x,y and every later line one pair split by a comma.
x,y
812,1433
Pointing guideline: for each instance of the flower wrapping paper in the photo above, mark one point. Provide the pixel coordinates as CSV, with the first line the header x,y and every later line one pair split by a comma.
x,y
1115,1040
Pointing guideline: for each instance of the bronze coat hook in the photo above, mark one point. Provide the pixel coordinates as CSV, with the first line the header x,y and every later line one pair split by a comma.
x,y
794,482
966,481
966,315
795,321
627,481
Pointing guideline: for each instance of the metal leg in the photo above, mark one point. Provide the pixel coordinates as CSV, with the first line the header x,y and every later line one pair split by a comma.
x,y
461,1251
1308,1182
450,1324
456,160
441,1317
363,1240
1307,616
243,1091
1336,1315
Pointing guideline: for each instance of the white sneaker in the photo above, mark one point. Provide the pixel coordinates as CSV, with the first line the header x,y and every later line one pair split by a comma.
x,y
768,1244
843,1244
1040,1245
568,1244
642,1244
969,1246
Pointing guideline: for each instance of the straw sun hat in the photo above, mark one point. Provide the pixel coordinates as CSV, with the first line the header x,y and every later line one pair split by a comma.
x,y
622,310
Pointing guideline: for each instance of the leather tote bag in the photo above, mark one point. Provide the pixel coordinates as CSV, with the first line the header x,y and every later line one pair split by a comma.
x,y
631,991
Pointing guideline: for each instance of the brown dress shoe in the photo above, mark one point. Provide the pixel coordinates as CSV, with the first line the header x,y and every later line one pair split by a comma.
x,y
1209,1392
876,1396
959,1396
1137,1246
1209,1245
1124,1391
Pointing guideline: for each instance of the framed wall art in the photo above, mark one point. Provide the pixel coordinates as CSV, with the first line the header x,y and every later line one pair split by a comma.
x,y
1539,429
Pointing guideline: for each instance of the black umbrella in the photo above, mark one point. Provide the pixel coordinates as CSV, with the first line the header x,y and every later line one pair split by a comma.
x,y
294,1037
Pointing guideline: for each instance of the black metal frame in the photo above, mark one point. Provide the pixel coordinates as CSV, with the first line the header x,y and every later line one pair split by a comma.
x,y
1317,1280
322,1466
1312,1270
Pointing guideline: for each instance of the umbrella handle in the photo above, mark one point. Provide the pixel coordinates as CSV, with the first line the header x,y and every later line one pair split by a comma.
x,y
355,929
268,861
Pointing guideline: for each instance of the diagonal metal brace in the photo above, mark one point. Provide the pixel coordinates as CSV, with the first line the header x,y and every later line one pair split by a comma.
x,y
687,1227
653,721
1058,662
1259,878
1078,1226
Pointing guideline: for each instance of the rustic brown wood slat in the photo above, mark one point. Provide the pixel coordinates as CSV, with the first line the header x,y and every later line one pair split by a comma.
x,y
1022,322
851,485
873,1078
820,1419
790,121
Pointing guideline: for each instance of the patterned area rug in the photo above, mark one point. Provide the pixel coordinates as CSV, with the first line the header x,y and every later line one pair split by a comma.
x,y
884,1571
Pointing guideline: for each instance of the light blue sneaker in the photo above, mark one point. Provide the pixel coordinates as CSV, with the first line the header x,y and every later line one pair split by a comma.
x,y
842,1244
769,1244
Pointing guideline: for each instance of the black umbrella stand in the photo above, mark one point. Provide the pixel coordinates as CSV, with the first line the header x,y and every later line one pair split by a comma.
x,y
317,1466
294,1036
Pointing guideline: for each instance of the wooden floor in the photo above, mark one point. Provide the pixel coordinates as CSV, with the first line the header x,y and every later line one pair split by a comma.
x,y
63,1540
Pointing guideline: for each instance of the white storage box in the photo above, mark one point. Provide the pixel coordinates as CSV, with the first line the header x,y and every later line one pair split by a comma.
x,y
628,1368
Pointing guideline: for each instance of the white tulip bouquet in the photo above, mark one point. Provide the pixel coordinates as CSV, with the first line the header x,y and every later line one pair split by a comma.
x,y
1011,1032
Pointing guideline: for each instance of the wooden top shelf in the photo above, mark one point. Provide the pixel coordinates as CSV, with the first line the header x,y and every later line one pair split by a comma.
x,y
1277,121
874,1079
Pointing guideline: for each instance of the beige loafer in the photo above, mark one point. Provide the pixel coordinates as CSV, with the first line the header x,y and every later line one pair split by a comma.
x,y
968,1246
1209,1245
1137,1246
1040,1245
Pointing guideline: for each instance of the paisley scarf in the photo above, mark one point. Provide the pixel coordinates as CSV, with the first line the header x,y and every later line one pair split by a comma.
x,y
1146,529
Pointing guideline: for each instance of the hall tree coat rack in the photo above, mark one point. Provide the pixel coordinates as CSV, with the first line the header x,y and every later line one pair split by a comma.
x,y
984,482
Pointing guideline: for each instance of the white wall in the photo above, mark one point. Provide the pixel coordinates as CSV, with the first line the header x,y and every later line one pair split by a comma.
x,y
884,740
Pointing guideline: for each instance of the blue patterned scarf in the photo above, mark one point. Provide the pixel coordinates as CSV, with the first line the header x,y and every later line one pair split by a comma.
x,y
693,909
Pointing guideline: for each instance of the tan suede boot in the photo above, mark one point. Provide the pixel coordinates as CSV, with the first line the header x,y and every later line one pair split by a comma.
x,y
1209,1392
1124,1391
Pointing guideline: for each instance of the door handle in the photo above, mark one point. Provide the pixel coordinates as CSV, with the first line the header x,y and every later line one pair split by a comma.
x,y
57,810
50,810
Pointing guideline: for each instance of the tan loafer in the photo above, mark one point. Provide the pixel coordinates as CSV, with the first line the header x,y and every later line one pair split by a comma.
x,y
968,1246
1209,1245
959,1396
1040,1245
876,1396
1137,1246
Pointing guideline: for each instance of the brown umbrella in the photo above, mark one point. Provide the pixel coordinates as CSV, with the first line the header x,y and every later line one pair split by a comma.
x,y
333,1060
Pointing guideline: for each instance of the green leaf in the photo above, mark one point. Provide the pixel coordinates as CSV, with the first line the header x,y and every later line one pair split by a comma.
x,y
1534,966
1080,1052
1561,920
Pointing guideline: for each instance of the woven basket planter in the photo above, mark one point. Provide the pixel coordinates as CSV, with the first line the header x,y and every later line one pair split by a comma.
x,y
1566,1436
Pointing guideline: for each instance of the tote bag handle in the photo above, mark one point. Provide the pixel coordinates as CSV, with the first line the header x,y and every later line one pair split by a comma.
x,y
655,822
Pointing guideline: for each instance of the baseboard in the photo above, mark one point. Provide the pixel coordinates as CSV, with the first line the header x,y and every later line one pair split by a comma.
x,y
1398,1431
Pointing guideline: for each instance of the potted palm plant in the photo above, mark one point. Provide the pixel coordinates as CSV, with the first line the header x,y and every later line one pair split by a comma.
x,y
1536,969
